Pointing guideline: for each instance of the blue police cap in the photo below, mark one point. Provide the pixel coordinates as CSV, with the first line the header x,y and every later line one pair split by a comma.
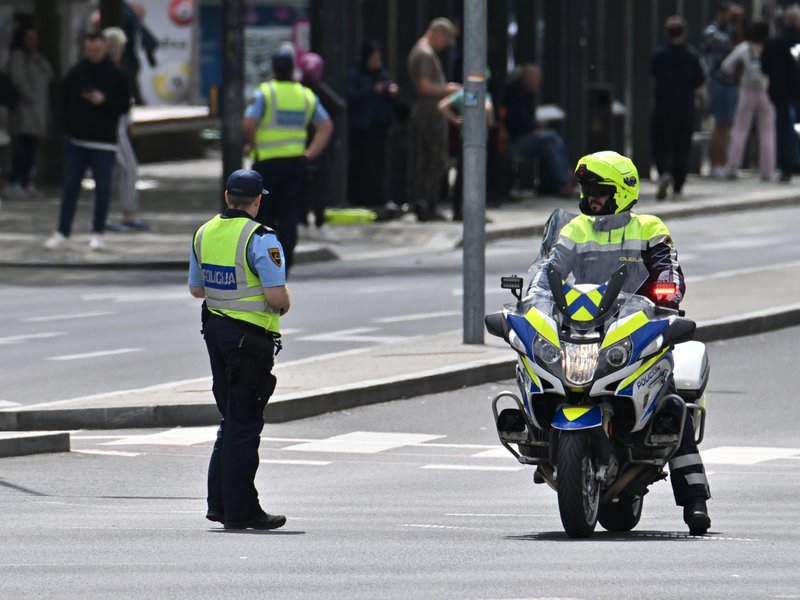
x,y
246,183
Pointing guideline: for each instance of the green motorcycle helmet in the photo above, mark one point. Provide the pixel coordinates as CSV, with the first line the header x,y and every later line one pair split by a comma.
x,y
608,172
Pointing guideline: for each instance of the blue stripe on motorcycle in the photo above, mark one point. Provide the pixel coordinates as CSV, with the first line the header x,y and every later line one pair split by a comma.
x,y
592,418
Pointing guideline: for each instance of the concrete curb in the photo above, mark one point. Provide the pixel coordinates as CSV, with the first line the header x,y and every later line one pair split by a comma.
x,y
301,406
24,444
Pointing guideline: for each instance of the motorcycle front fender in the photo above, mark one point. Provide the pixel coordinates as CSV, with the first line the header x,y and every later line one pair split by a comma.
x,y
577,417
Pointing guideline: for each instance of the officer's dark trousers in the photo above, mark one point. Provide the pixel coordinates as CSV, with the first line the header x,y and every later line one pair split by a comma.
x,y
671,137
243,383
686,471
282,209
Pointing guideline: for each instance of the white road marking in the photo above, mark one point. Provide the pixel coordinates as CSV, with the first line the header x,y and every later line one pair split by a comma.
x,y
418,317
493,453
153,296
108,452
500,515
47,318
746,455
363,442
16,339
291,331
468,468
382,289
179,436
96,354
353,335
275,461
744,271
8,404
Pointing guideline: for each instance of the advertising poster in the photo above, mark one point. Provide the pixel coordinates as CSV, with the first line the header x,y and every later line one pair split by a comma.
x,y
266,26
259,45
169,79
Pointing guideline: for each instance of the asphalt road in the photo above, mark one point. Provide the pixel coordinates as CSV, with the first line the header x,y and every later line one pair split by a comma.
x,y
411,499
71,333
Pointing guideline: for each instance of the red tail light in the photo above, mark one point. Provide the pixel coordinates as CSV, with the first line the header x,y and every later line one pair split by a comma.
x,y
662,289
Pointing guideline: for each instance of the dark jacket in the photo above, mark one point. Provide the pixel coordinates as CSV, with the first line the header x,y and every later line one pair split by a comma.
x,y
782,68
677,72
367,109
81,119
520,110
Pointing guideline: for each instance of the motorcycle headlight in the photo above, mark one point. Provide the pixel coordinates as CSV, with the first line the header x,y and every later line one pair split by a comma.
x,y
580,362
618,354
547,352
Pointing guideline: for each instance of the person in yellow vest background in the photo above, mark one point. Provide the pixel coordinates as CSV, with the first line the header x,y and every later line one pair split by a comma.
x,y
237,265
275,129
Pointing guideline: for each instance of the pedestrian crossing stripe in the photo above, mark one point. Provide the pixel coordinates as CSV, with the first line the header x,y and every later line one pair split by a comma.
x,y
363,442
746,455
373,442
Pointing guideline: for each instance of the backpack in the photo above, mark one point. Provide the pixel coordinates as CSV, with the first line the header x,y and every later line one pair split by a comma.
x,y
9,96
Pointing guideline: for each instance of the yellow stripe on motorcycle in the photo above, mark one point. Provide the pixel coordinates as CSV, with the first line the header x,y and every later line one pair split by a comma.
x,y
582,315
534,377
625,328
573,414
543,326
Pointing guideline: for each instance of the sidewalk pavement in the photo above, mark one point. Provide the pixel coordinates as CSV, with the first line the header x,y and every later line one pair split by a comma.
x,y
178,197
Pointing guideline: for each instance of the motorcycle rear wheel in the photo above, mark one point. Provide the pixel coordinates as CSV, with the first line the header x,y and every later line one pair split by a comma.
x,y
578,488
621,516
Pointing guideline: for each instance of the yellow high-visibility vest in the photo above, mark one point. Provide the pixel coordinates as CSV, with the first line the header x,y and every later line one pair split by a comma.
x,y
282,131
231,287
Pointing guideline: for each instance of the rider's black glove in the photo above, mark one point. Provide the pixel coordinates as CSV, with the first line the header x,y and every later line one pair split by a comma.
x,y
672,301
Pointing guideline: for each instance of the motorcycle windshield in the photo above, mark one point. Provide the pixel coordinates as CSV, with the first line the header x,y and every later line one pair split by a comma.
x,y
606,276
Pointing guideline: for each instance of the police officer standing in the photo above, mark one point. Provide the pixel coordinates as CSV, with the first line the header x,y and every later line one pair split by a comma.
x,y
237,265
275,128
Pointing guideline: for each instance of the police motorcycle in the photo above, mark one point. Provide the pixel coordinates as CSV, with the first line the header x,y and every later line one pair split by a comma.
x,y
595,412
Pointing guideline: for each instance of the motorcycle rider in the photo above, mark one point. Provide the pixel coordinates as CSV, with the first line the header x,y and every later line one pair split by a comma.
x,y
609,185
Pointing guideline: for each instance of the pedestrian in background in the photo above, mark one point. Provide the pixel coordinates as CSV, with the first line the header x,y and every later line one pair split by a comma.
x,y
126,167
452,107
428,125
94,95
753,102
319,174
370,94
29,121
781,66
237,266
276,131
719,38
532,140
677,74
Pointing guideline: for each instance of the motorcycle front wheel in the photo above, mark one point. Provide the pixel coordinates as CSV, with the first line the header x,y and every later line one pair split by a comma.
x,y
578,488
621,516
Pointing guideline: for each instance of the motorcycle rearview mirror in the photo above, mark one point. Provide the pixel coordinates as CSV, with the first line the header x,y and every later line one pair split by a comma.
x,y
513,283
496,324
681,330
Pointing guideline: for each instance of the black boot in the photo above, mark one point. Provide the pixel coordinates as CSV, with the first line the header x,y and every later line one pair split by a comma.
x,y
695,515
